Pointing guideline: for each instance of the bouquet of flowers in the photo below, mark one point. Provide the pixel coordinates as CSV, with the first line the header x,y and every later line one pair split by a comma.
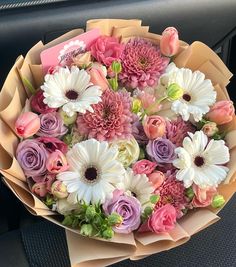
x,y
124,134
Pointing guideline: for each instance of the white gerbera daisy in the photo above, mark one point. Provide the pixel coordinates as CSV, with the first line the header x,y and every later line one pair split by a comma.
x,y
138,185
94,172
71,90
198,92
201,162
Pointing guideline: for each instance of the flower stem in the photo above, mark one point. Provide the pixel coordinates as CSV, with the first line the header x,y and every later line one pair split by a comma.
x,y
29,85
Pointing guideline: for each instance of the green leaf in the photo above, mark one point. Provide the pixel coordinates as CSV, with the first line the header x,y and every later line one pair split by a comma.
x,y
29,86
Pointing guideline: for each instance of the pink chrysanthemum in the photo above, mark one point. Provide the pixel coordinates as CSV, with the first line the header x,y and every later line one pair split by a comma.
x,y
172,191
177,130
142,64
111,119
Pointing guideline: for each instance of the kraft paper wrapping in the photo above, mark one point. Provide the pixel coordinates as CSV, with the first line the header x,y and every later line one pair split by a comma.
x,y
96,252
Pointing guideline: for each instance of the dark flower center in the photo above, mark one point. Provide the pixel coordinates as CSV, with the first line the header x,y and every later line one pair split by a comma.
x,y
186,97
72,94
91,174
199,161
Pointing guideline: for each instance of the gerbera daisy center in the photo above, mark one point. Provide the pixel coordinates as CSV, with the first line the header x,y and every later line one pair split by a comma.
x,y
186,97
72,94
199,161
91,174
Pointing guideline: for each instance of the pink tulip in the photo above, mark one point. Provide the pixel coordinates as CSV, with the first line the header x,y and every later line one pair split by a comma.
x,y
27,124
57,162
169,43
97,77
221,112
156,178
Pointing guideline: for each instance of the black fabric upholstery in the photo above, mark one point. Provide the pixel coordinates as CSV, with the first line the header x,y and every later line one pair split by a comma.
x,y
45,246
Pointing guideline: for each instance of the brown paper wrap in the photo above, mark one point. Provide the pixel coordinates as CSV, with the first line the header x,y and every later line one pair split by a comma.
x,y
197,56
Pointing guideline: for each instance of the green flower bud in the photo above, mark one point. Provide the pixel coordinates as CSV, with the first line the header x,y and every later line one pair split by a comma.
x,y
189,193
136,105
115,219
67,139
66,119
148,211
116,67
113,83
174,92
90,212
218,201
154,199
108,233
141,154
86,229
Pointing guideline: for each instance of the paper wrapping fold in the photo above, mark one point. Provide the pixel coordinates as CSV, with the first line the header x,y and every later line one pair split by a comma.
x,y
195,56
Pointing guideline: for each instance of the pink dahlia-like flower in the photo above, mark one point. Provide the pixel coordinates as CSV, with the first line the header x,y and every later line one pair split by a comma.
x,y
142,64
177,130
172,191
111,119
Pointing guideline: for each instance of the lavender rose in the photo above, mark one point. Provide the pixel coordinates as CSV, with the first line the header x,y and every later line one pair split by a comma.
x,y
51,125
128,207
32,156
161,150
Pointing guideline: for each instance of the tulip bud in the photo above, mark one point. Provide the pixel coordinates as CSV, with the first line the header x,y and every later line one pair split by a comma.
x,y
86,229
218,201
59,190
39,189
174,92
66,119
115,219
156,178
97,77
108,233
27,124
116,67
136,105
169,43
210,129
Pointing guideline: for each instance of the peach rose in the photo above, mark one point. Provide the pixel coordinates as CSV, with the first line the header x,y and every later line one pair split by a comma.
x,y
144,166
154,126
156,178
169,43
221,112
203,197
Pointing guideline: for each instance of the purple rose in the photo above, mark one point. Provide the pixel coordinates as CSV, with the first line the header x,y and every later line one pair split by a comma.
x,y
128,207
138,132
161,150
32,156
51,125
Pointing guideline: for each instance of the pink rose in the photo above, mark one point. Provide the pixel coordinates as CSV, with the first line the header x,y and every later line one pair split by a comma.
x,y
154,126
162,220
169,43
57,162
37,104
27,124
156,178
144,166
106,50
221,112
203,197
97,77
